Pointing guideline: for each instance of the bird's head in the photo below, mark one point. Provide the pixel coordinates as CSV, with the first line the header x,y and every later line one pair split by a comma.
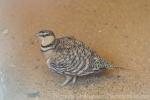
x,y
46,37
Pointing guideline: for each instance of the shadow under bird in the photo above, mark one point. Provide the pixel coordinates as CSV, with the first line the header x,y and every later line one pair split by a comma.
x,y
70,57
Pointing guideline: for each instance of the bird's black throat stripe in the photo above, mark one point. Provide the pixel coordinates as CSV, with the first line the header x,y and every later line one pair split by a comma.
x,y
49,45
46,46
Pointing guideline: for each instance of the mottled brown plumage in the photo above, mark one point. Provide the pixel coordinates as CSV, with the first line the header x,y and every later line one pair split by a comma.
x,y
70,57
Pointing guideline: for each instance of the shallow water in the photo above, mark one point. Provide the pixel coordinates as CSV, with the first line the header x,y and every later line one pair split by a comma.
x,y
118,30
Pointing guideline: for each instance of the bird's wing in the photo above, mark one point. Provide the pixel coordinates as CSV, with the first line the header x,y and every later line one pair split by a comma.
x,y
70,65
72,56
96,64
76,58
65,43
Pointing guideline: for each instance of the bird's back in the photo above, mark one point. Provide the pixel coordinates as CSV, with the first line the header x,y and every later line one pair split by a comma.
x,y
73,57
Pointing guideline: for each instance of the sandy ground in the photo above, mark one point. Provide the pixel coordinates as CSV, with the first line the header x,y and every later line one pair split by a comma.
x,y
118,30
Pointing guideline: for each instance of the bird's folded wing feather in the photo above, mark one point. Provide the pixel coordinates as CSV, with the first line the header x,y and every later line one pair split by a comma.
x,y
75,58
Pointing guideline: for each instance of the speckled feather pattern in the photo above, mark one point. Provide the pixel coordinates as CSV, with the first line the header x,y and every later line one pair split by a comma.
x,y
73,57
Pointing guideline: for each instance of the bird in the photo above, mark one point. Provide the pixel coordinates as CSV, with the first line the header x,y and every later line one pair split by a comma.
x,y
70,57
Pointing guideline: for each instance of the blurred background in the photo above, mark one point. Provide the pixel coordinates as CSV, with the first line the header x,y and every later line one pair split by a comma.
x,y
118,30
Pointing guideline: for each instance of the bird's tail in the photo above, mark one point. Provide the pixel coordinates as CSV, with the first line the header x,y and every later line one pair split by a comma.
x,y
117,67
